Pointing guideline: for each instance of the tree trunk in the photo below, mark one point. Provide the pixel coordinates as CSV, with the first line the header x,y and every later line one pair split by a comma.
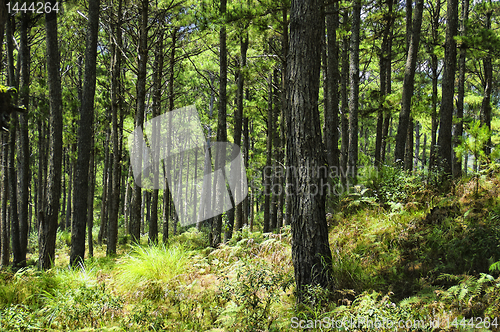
x,y
167,197
69,199
48,225
126,206
332,84
275,188
221,121
238,118
408,84
417,145
458,129
354,91
5,190
310,249
135,213
24,157
344,108
448,86
85,136
408,161
90,202
246,201
18,260
385,86
268,169
103,229
116,166
157,84
488,86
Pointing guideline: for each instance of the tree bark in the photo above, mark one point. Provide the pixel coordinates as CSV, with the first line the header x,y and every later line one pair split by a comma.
x,y
268,169
385,85
48,225
448,86
354,88
24,149
275,189
488,87
103,229
157,84
135,213
344,108
332,83
238,118
408,160
221,120
458,129
5,189
116,166
85,136
408,85
90,202
310,249
435,15
17,261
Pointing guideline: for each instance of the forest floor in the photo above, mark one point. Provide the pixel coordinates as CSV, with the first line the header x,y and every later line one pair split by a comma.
x,y
405,257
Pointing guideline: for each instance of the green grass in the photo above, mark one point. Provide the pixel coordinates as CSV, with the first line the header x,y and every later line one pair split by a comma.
x,y
388,263
147,269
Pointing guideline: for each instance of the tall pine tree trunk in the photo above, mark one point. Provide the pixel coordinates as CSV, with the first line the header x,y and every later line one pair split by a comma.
x,y
85,136
332,82
488,87
448,86
115,162
435,15
90,202
157,83
5,192
221,120
344,106
135,209
310,249
24,157
354,88
238,118
458,129
268,169
408,85
385,86
48,225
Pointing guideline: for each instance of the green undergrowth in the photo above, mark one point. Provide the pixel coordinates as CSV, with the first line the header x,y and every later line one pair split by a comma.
x,y
419,257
